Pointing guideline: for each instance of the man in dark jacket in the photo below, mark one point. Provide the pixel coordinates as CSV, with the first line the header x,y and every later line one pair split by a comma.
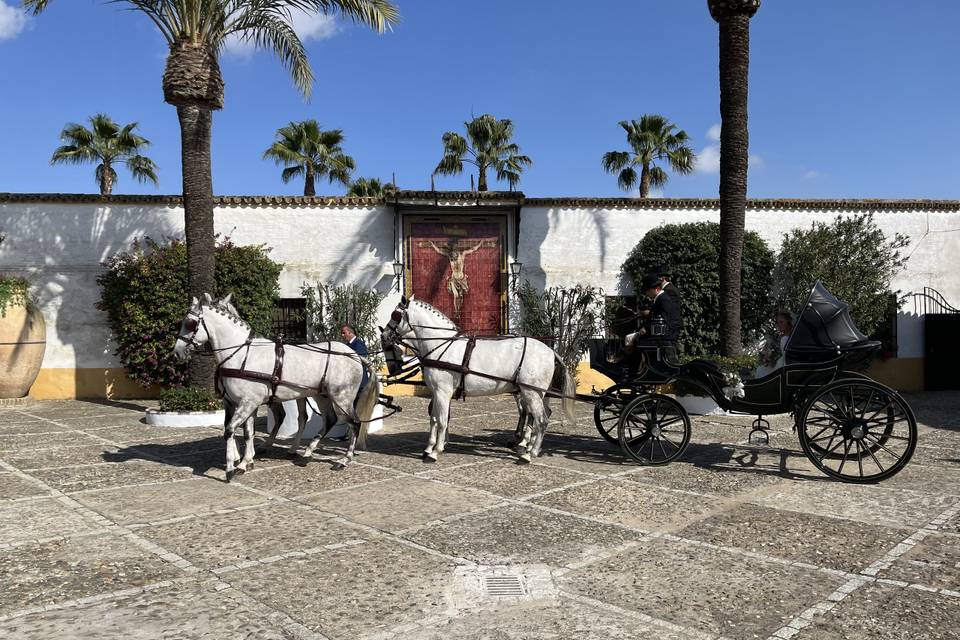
x,y
354,342
669,288
662,327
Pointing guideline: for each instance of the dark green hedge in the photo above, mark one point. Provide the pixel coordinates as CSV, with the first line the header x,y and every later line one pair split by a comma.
x,y
692,252
144,292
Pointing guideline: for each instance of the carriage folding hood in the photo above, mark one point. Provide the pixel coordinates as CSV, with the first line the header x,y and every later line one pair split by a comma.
x,y
824,327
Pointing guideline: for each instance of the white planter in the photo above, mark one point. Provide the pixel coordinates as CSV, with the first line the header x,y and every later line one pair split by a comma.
x,y
288,428
700,405
157,418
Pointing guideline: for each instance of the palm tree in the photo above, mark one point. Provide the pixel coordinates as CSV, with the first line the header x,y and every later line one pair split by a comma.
x,y
196,31
489,148
652,139
107,144
309,151
370,188
733,16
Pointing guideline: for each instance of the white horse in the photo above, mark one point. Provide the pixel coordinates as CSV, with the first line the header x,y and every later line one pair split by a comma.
x,y
253,371
521,366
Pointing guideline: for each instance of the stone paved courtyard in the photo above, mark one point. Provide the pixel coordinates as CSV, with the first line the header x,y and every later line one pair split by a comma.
x,y
113,529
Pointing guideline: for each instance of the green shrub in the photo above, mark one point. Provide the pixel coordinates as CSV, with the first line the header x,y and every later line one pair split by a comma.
x,y
569,316
692,252
144,293
852,256
13,290
329,307
189,399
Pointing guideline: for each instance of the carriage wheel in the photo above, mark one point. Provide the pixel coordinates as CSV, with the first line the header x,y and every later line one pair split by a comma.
x,y
654,429
858,431
609,406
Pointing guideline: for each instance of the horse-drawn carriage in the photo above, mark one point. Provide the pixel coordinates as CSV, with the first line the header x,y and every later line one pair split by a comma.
x,y
850,427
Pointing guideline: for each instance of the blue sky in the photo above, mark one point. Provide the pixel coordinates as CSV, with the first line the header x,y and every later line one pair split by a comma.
x,y
848,99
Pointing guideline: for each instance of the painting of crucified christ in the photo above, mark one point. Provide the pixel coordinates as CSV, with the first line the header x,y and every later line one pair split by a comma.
x,y
457,283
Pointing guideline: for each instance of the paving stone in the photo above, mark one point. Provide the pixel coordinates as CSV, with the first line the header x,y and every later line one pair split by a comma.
x,y
542,621
60,457
76,568
507,478
720,480
934,562
826,542
595,455
226,539
104,476
937,456
41,518
10,444
927,478
401,503
734,596
142,434
882,612
292,480
13,486
181,611
150,503
866,503
521,534
98,422
28,428
634,505
410,459
355,591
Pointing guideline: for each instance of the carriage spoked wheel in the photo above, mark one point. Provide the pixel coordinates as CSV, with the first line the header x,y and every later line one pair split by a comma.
x,y
654,429
858,431
609,407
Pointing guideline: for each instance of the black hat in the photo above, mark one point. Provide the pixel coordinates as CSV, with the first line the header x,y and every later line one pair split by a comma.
x,y
650,281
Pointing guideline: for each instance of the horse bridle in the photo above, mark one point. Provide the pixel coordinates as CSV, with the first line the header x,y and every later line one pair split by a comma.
x,y
193,324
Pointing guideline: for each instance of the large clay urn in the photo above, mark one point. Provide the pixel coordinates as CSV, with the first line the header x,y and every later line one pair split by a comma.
x,y
23,338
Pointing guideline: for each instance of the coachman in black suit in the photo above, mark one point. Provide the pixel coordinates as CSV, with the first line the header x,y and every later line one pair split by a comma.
x,y
661,328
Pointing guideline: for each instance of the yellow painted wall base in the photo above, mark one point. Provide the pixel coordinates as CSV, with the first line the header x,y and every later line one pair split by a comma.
x,y
88,383
902,374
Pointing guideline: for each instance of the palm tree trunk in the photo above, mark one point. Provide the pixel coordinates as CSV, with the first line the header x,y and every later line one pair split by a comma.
x,y
195,125
734,156
482,180
308,185
106,180
645,181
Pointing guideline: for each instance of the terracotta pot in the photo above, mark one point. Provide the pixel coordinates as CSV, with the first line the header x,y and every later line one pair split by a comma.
x,y
23,338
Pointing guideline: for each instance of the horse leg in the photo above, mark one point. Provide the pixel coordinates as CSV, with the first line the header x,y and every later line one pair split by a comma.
x,y
301,425
442,432
438,425
352,432
542,423
242,411
533,410
276,409
246,464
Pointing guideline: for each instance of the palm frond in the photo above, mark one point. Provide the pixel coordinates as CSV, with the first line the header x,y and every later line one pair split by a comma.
x,y
614,161
627,179
658,177
290,173
143,169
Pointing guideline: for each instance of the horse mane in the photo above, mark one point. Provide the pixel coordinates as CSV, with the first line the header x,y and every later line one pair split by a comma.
x,y
428,307
227,309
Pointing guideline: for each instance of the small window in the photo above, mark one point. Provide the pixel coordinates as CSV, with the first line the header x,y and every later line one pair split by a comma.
x,y
290,320
620,315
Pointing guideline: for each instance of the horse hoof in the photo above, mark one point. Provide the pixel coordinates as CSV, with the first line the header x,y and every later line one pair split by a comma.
x,y
250,466
301,461
524,459
429,457
338,466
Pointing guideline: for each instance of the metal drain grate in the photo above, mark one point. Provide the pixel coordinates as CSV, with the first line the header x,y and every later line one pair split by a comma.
x,y
504,586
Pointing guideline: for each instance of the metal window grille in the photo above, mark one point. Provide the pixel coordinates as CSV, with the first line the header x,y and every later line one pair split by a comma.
x,y
290,319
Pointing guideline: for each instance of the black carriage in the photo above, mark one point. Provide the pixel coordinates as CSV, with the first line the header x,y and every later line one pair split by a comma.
x,y
850,426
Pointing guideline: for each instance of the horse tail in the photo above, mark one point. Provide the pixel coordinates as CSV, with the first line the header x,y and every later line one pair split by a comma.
x,y
569,390
367,402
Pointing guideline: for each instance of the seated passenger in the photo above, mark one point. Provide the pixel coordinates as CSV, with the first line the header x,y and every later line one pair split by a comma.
x,y
771,353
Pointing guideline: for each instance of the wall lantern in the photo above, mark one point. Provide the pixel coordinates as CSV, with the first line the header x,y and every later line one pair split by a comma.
x,y
397,274
515,268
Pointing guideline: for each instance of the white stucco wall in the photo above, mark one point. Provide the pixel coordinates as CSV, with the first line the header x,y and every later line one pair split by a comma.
x,y
60,248
563,246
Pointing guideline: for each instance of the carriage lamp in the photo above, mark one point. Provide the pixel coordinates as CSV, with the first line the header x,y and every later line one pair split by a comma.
x,y
515,268
397,273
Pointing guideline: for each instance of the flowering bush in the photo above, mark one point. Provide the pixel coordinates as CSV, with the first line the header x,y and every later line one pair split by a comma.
x,y
144,292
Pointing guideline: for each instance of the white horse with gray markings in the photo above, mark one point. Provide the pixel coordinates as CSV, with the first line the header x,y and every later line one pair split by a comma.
x,y
254,371
454,364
